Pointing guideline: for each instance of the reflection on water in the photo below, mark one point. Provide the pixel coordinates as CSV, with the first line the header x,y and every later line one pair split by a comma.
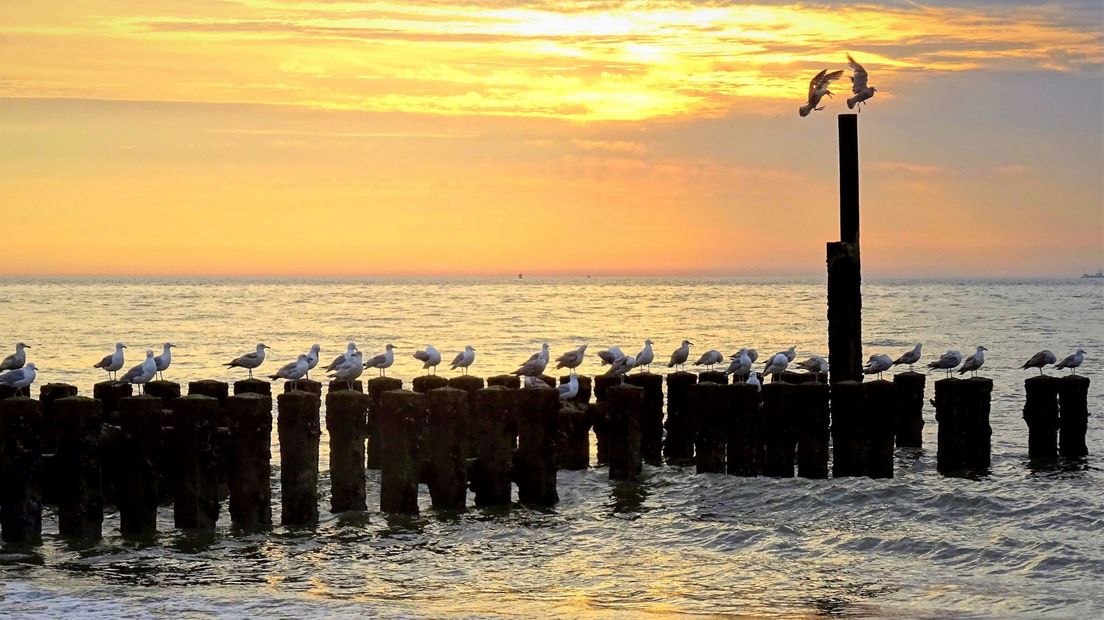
x,y
1028,538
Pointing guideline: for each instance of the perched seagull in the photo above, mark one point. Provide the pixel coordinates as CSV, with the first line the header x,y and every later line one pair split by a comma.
x,y
570,389
973,362
543,354
610,355
753,355
464,359
646,355
790,353
877,364
910,358
20,377
341,359
142,373
741,364
815,364
251,360
533,367
535,382
947,362
15,360
313,357
1040,359
112,363
382,361
572,359
858,85
621,367
679,355
709,358
1072,361
818,88
430,358
753,379
776,364
293,371
350,370
162,361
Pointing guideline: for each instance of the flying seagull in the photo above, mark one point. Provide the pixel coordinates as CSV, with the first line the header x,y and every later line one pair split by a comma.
x,y
818,88
1040,359
859,86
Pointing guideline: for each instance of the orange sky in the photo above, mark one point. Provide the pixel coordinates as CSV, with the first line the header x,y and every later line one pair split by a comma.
x,y
269,137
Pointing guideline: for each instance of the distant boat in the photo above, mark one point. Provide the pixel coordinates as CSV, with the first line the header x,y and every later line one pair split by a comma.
x,y
520,276
1099,274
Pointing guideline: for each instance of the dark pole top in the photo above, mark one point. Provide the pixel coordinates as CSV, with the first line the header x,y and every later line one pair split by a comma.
x,y
849,177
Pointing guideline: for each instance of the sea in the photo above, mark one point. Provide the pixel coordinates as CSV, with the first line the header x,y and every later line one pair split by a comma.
x,y
1019,541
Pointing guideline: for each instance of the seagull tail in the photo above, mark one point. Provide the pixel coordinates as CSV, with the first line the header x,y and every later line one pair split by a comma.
x,y
851,103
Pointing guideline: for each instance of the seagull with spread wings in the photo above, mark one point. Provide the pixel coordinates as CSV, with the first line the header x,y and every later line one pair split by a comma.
x,y
859,86
818,88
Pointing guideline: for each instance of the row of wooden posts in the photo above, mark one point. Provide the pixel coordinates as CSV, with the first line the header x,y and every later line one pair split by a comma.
x,y
139,452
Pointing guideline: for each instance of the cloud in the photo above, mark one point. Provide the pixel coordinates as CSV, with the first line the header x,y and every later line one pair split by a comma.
x,y
613,146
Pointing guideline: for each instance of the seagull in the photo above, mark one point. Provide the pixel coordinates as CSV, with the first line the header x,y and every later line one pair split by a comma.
x,y
15,360
535,382
709,358
312,357
142,373
858,85
20,377
790,353
741,364
753,379
570,389
533,367
818,88
293,371
162,361
430,356
382,361
1072,361
1040,359
610,355
341,359
112,363
464,359
251,360
947,362
753,355
542,354
815,364
679,355
572,359
910,357
877,364
646,355
776,364
973,362
621,367
350,370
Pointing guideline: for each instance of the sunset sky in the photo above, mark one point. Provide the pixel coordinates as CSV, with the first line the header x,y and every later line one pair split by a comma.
x,y
273,137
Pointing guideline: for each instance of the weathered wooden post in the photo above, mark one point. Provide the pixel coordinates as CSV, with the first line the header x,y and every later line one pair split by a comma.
x,y
443,441
299,430
811,413
304,385
6,391
879,414
779,429
573,439
962,412
744,441
848,434
20,471
110,393
196,502
651,418
844,269
249,460
494,407
708,401
798,378
678,447
252,386
910,409
347,424
49,394
468,428
506,381
139,445
1073,406
1041,414
626,403
599,415
377,386
167,391
402,416
79,496
713,376
354,386
220,391
535,465
425,383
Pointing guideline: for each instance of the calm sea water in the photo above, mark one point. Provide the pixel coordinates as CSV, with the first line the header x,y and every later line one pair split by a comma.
x,y
1018,541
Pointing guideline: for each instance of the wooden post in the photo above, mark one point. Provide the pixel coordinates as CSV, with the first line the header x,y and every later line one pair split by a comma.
x,y
626,403
582,399
425,383
798,378
494,407
713,376
879,420
910,409
849,177
844,312
139,445
79,496
443,441
6,391
220,391
249,460
304,385
347,424
49,394
252,386
708,402
651,419
20,471
811,412
167,391
1041,414
744,439
354,386
962,412
779,429
196,503
468,428
535,465
848,433
573,440
507,381
1073,406
402,416
299,430
599,415
678,446
110,393
376,388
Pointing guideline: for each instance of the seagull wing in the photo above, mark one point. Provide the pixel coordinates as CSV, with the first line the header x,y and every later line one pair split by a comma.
x,y
421,356
8,363
104,362
376,361
815,84
858,76
459,358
